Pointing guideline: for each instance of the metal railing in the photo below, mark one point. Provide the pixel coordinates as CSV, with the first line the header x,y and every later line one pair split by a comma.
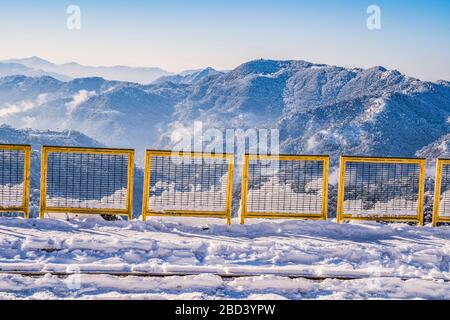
x,y
100,181
284,186
15,161
86,180
389,189
187,184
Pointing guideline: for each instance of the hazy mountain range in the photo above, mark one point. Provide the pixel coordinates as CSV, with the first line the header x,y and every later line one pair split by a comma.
x,y
317,108
35,66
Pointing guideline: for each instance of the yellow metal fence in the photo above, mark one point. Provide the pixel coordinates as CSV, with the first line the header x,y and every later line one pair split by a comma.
x,y
15,163
100,181
389,189
187,184
284,186
86,180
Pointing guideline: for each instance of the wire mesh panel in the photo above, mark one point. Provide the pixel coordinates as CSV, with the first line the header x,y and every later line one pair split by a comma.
x,y
15,178
284,186
441,207
87,180
388,189
187,184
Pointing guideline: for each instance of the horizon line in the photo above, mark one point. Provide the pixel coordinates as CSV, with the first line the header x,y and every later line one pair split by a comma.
x,y
352,67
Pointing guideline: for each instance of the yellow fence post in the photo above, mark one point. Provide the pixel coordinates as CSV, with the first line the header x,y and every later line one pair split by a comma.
x,y
26,179
146,187
130,185
43,189
340,201
230,187
326,165
421,193
244,188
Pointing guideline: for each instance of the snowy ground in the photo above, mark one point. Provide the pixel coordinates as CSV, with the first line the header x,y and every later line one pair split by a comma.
x,y
214,287
382,254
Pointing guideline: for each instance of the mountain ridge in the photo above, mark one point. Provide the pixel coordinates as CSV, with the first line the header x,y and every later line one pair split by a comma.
x,y
317,108
73,70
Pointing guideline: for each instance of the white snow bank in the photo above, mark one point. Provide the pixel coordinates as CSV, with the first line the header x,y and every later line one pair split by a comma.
x,y
197,245
214,287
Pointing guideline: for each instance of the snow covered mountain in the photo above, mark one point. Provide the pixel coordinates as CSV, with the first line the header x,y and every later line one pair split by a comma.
x,y
317,108
36,138
74,70
439,148
324,109
189,77
10,69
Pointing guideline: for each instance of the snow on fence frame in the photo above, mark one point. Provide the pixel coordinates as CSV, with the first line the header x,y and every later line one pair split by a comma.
x,y
418,217
86,208
441,213
179,207
278,213
25,188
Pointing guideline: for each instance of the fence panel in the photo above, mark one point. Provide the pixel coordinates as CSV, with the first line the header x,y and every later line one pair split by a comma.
x,y
15,178
87,180
187,184
284,186
389,189
441,207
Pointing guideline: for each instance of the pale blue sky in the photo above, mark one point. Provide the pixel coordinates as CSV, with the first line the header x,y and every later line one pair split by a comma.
x,y
181,34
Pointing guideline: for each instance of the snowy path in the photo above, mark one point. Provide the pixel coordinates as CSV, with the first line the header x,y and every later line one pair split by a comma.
x,y
312,248
214,287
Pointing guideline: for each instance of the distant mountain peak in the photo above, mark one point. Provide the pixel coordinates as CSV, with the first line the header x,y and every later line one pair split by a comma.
x,y
444,82
377,68
189,76
261,66
72,64
67,71
88,80
37,59
32,62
